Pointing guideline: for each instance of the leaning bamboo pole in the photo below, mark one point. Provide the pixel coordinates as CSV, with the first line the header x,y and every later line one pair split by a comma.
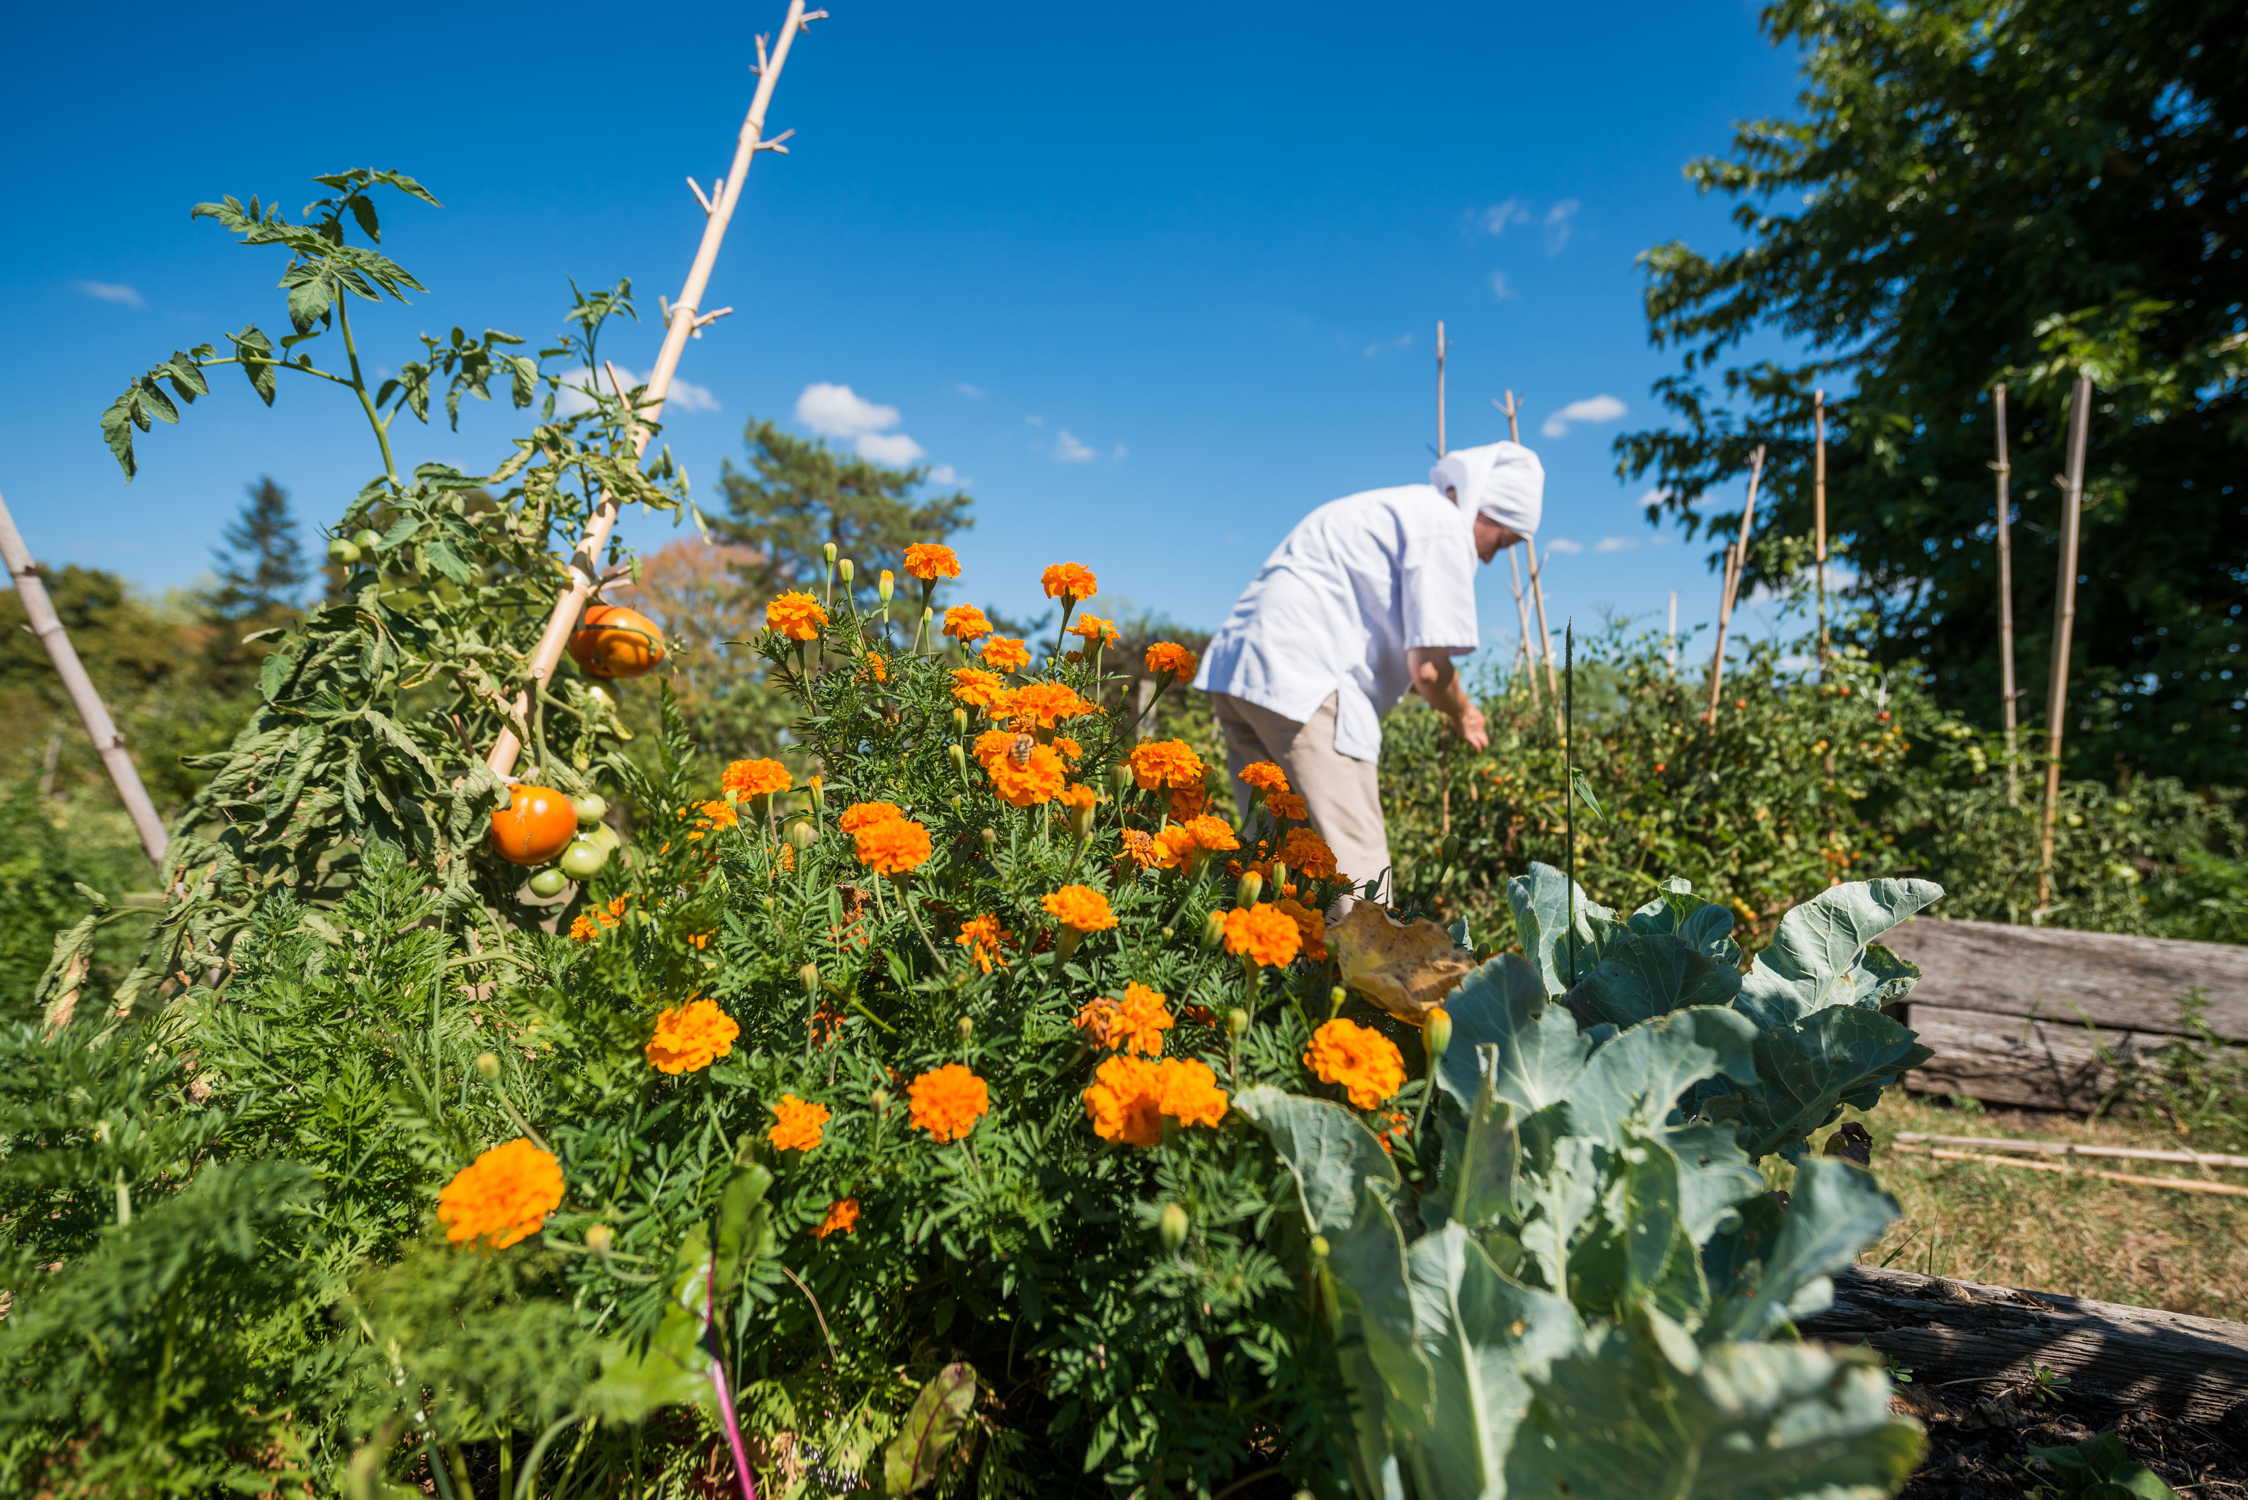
x,y
39,610
682,319
2064,629
2008,703
1513,410
2180,1184
1736,567
1818,516
1514,569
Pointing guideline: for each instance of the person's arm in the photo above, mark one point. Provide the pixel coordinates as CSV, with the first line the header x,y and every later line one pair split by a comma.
x,y
1438,681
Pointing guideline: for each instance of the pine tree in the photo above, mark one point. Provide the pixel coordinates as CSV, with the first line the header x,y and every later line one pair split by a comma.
x,y
261,568
802,494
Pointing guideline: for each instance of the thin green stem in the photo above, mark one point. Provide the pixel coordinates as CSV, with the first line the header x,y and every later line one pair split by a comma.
x,y
278,364
358,383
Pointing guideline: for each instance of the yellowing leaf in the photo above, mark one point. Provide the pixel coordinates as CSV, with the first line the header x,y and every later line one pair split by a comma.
x,y
1406,968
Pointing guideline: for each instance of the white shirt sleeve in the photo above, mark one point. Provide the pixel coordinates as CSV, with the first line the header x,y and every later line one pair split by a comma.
x,y
1437,590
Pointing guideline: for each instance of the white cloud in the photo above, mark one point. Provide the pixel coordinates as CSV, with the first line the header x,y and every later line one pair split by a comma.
x,y
893,448
686,396
837,411
1388,346
1561,546
1560,223
1498,216
972,392
1501,288
1592,409
1654,496
1069,450
946,474
111,291
1615,544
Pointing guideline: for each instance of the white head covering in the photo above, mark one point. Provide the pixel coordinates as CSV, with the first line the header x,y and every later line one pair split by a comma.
x,y
1504,481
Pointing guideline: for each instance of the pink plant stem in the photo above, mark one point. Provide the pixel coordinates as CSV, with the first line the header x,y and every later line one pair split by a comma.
x,y
725,1398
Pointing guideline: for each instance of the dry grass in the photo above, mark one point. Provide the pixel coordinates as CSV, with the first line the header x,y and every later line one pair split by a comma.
x,y
2187,1252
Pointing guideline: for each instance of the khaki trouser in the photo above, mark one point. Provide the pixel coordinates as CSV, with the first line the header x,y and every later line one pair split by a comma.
x,y
1343,795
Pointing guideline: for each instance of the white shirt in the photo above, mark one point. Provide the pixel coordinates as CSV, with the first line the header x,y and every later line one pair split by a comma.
x,y
1358,583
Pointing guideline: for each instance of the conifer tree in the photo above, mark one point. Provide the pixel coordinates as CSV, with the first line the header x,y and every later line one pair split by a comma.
x,y
261,567
800,494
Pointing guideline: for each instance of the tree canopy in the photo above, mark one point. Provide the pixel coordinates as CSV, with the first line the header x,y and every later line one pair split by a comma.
x,y
1981,191
261,567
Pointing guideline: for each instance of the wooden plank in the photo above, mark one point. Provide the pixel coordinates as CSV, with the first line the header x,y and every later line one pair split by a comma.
x,y
2105,978
1944,1331
2016,1060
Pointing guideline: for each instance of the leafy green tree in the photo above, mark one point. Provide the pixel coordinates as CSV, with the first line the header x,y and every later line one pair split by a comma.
x,y
1980,191
800,494
261,567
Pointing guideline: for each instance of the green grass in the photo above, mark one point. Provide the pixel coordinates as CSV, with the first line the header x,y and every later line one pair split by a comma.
x,y
2049,1232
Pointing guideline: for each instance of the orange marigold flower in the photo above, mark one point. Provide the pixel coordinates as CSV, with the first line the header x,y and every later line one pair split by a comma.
x,y
1081,907
691,1037
1038,777
1129,1097
930,561
1079,797
1211,834
1288,806
1311,924
1365,1063
1148,852
1189,803
877,668
978,689
583,929
755,778
1395,1123
797,1124
501,1197
1264,776
1262,934
715,815
1004,653
1072,581
1094,630
788,857
984,938
1178,843
1160,763
1042,705
866,814
1307,853
842,1218
948,1102
796,615
1068,749
894,846
966,623
1134,1024
1169,657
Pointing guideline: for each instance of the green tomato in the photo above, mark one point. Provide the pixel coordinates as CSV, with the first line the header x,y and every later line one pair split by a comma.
x,y
583,859
342,553
548,882
604,835
592,808
366,539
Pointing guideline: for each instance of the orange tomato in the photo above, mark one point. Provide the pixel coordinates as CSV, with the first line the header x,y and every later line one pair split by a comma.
x,y
616,642
537,824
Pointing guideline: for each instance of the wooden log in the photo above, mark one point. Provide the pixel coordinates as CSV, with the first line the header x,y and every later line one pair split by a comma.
x,y
1944,1331
2104,978
2019,1060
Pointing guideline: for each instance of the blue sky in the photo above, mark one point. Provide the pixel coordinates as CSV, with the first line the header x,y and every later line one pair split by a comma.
x,y
1153,282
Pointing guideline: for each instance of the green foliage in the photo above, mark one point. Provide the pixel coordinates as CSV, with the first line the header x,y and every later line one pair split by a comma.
x,y
1978,191
47,853
261,567
1570,1296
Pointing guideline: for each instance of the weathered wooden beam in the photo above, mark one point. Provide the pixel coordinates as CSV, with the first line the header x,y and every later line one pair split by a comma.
x,y
2016,1060
2102,978
1944,1331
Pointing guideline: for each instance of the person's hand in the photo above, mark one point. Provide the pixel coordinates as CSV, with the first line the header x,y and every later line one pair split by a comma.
x,y
1473,729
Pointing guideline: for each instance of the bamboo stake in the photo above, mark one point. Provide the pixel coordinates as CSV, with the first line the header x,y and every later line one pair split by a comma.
x,y
1671,633
39,609
1513,411
1818,515
2064,629
1736,567
1441,450
2005,471
1514,566
682,320
2202,1159
2182,1184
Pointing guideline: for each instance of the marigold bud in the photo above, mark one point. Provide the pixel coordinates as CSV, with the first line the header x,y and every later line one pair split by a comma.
x,y
1173,1226
967,1027
1213,931
845,569
959,754
1335,999
1279,879
1436,1035
810,974
827,551
1319,1247
488,1064
599,1237
1250,888
885,585
1120,776
880,1099
802,834
1081,820
960,721
990,839
1236,1021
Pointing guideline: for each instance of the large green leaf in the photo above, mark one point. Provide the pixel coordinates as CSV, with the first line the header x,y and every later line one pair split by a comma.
x,y
1325,1148
672,1368
932,1426
1813,963
1808,1072
1643,975
1705,926
1365,1274
1480,1162
1639,1414
1561,930
1640,1074
1833,1212
1536,1050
